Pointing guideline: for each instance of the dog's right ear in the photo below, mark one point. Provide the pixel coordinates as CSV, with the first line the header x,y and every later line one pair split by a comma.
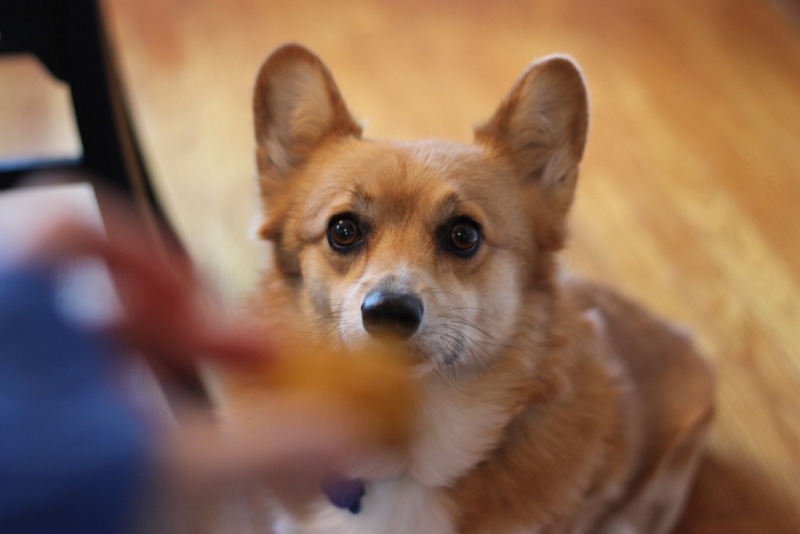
x,y
296,107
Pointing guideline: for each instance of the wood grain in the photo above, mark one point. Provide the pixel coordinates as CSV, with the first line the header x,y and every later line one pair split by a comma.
x,y
690,192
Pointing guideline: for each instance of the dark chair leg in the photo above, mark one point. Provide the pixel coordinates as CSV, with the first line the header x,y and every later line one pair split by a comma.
x,y
68,36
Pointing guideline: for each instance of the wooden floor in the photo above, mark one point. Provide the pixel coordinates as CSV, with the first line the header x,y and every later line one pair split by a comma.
x,y
690,192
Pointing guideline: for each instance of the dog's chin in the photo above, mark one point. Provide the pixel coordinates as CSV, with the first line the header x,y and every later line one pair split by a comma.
x,y
421,358
385,345
447,360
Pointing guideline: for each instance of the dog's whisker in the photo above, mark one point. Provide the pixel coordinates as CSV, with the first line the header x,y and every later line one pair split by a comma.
x,y
465,322
432,291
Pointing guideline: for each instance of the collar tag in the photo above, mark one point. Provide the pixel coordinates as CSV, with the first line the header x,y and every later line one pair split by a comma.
x,y
343,492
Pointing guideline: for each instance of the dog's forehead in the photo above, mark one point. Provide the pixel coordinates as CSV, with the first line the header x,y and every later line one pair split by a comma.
x,y
407,176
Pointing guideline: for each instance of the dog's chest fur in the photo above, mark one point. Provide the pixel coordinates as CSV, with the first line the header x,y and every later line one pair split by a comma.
x,y
457,428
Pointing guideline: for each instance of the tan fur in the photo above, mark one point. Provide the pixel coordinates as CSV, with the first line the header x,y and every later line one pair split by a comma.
x,y
549,405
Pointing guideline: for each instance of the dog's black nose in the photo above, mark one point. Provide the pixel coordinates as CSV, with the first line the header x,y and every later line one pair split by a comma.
x,y
391,314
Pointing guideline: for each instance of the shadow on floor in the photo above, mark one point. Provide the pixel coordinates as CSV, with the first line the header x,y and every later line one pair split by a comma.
x,y
735,499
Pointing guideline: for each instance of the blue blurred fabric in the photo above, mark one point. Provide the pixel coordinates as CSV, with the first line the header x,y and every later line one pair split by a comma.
x,y
73,453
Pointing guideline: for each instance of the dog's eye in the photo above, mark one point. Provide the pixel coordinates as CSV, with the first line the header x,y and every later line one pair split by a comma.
x,y
464,237
343,232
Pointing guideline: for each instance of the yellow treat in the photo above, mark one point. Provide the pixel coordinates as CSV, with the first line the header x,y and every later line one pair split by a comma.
x,y
374,385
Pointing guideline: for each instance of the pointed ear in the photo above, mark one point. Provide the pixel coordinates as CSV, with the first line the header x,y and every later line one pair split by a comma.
x,y
296,107
542,124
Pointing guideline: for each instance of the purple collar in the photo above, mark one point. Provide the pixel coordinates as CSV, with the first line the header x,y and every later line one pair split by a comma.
x,y
344,492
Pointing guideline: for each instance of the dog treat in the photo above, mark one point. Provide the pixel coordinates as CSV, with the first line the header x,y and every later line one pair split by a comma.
x,y
372,384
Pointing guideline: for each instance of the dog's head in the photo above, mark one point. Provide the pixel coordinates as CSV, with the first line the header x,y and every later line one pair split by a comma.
x,y
445,247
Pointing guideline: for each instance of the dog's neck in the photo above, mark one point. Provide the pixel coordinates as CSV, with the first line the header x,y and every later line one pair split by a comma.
x,y
465,417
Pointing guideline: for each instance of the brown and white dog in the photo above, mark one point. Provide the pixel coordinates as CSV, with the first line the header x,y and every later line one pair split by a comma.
x,y
549,405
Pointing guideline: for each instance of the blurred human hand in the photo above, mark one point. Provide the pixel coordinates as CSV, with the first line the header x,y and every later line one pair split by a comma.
x,y
173,319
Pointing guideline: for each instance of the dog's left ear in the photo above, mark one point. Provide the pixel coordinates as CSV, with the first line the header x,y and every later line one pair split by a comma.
x,y
542,124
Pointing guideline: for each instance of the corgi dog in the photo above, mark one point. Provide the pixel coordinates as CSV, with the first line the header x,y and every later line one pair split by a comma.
x,y
548,405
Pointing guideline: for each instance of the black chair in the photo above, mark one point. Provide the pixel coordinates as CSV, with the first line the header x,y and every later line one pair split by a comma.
x,y
69,38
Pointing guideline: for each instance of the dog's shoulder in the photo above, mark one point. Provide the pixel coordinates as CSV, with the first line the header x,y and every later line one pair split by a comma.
x,y
670,382
659,356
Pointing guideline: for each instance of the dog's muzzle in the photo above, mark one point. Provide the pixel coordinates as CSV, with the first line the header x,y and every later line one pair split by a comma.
x,y
391,314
